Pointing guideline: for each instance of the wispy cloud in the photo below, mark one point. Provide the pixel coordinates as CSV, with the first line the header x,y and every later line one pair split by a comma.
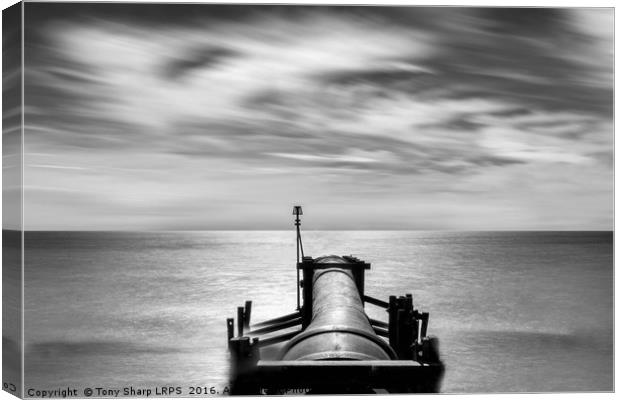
x,y
55,166
430,106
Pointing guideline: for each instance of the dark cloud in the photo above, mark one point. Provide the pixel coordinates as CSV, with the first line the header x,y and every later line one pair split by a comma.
x,y
493,161
160,14
554,86
56,91
459,124
193,59
605,157
509,54
149,14
388,78
11,66
524,21
514,112
272,145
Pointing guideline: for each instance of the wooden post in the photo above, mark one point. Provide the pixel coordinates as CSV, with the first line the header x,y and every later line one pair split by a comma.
x,y
424,325
358,270
409,301
230,325
244,357
392,322
240,321
306,311
247,314
410,328
430,350
401,339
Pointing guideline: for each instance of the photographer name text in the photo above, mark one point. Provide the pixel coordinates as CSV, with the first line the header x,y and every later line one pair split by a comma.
x,y
129,391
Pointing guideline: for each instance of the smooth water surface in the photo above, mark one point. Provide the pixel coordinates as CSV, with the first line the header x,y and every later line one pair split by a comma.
x,y
514,311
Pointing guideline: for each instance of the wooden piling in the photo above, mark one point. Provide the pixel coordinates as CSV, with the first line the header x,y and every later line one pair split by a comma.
x,y
430,350
392,322
409,301
306,310
230,325
424,325
247,314
244,357
240,321
401,338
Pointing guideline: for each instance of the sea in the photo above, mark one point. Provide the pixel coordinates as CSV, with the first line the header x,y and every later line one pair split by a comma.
x,y
513,311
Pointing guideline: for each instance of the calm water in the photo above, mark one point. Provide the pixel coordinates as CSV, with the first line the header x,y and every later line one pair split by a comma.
x,y
514,311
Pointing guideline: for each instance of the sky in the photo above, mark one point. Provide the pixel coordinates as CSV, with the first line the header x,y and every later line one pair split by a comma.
x,y
199,117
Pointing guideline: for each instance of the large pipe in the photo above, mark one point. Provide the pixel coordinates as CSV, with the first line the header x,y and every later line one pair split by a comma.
x,y
340,329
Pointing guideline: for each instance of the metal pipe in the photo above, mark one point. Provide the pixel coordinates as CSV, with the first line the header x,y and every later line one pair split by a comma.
x,y
340,329
378,323
381,332
277,320
275,327
376,302
277,339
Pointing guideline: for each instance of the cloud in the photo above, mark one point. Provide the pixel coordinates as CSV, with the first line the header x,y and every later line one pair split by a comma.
x,y
404,102
196,59
326,157
55,166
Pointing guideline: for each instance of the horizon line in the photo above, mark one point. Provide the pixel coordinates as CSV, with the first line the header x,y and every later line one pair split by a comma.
x,y
306,230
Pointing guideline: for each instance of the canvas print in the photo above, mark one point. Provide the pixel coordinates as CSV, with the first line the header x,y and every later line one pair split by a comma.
x,y
220,199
